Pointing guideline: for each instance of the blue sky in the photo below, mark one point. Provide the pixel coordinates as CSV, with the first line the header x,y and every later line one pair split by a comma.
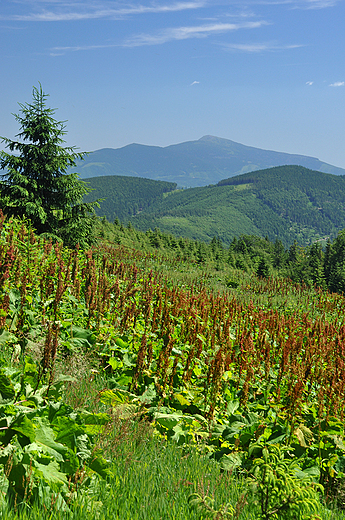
x,y
265,73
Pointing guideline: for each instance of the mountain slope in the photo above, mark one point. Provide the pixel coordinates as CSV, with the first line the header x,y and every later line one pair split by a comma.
x,y
192,163
125,196
287,202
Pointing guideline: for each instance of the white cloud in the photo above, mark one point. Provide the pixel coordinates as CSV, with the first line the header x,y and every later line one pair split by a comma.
x,y
295,4
68,11
258,47
184,33
195,83
169,34
309,82
319,4
337,84
58,51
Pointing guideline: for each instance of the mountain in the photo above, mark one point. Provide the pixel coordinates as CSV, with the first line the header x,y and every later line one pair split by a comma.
x,y
286,203
192,163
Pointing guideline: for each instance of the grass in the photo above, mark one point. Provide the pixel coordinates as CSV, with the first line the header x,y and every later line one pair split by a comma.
x,y
152,478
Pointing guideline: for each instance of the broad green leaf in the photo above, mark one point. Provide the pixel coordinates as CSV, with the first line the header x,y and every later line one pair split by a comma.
x,y
127,361
15,299
101,466
94,418
148,396
340,465
115,363
23,425
45,437
58,410
313,472
276,440
338,441
67,431
116,397
181,435
70,464
51,474
124,380
79,332
7,337
30,373
233,429
197,371
83,450
6,387
232,407
120,343
3,488
167,420
78,343
231,461
8,452
182,400
19,477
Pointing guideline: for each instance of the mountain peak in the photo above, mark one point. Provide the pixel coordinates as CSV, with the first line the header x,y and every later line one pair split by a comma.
x,y
211,138
218,141
193,163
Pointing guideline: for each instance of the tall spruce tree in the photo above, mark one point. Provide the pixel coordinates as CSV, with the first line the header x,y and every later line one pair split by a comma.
x,y
35,183
335,264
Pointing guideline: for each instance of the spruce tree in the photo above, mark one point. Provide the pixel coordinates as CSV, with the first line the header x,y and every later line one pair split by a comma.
x,y
36,184
335,264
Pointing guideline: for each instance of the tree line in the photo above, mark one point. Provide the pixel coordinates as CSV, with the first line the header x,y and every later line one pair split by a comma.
x,y
319,265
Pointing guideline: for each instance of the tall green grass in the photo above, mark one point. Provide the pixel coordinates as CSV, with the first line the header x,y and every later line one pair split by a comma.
x,y
152,481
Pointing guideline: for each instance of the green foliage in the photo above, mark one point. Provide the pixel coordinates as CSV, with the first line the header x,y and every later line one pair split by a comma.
x,y
123,197
35,182
279,491
285,203
224,374
335,264
308,265
47,448
205,506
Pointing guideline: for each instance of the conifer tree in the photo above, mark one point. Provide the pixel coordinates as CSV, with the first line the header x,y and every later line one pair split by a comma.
x,y
335,264
35,183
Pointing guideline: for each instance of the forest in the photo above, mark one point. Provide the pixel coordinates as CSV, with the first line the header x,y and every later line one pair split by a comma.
x,y
287,203
123,197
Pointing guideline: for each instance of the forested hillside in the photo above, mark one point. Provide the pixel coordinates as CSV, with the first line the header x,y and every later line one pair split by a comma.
x,y
287,202
123,197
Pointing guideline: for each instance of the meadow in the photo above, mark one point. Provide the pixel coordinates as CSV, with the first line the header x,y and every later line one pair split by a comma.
x,y
139,385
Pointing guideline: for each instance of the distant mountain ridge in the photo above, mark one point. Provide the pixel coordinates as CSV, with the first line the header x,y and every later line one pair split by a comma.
x,y
192,163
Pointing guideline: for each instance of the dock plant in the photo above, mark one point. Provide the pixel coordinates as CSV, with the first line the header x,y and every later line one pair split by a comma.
x,y
239,382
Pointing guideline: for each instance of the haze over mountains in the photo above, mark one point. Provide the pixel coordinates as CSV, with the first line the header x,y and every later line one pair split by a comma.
x,y
192,163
